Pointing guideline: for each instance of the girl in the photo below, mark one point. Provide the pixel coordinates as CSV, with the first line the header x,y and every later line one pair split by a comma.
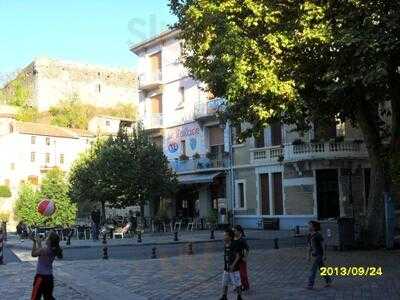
x,y
44,282
239,235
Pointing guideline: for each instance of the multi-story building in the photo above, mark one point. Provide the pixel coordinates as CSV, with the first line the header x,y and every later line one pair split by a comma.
x,y
283,175
181,119
48,81
29,150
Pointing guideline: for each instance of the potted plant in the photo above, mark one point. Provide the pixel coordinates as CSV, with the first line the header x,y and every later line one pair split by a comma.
x,y
196,156
297,142
183,157
210,155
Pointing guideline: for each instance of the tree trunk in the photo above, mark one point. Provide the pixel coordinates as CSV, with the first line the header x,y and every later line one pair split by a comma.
x,y
374,227
103,212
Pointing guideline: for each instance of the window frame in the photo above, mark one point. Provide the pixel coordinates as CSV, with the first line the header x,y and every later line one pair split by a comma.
x,y
48,141
47,158
33,157
237,194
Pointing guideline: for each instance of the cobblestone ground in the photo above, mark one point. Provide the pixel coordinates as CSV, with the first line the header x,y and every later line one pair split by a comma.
x,y
274,274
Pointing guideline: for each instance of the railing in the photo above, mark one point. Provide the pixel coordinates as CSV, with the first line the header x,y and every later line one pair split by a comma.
x,y
150,79
265,155
202,163
208,108
325,150
153,121
308,151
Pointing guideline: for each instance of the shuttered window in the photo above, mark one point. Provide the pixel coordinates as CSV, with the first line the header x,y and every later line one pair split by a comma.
x,y
216,135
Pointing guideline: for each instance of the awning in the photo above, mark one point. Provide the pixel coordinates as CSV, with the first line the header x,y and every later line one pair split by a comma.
x,y
198,178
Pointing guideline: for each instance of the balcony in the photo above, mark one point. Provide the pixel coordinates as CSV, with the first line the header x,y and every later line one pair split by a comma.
x,y
203,163
308,151
207,109
150,80
153,121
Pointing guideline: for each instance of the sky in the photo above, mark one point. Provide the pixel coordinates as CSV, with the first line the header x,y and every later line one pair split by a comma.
x,y
89,31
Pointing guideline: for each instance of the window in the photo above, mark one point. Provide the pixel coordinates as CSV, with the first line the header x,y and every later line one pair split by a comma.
x,y
12,166
33,156
108,123
240,194
181,97
62,158
33,140
99,88
48,141
47,159
11,128
184,204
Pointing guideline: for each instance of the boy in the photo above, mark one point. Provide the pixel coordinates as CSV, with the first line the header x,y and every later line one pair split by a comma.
x,y
317,251
232,257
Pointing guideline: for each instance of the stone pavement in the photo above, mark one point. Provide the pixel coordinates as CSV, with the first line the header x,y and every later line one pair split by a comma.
x,y
155,239
274,274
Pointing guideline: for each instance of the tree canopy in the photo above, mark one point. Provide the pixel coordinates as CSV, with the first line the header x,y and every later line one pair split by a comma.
x,y
299,61
122,171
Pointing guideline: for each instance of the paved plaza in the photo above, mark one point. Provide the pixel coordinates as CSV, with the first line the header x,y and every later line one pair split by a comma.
x,y
274,274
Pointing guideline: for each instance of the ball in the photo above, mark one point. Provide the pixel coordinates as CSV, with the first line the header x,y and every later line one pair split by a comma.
x,y
46,207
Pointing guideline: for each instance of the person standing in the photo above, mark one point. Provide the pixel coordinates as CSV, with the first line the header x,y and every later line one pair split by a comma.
x,y
316,250
240,237
43,283
96,218
232,257
133,220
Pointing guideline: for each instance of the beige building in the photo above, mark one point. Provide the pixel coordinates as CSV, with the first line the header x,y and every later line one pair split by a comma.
x,y
48,81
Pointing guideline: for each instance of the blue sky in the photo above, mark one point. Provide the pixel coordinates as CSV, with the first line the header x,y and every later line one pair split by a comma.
x,y
92,31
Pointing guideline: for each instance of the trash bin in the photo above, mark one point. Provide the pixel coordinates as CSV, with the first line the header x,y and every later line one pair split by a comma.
x,y
338,233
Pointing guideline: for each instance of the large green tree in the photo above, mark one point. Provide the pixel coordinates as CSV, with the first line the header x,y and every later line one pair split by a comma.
x,y
123,170
53,187
301,61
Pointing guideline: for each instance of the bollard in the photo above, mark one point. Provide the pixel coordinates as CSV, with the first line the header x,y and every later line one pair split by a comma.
x,y
176,236
276,246
153,252
212,237
190,248
139,237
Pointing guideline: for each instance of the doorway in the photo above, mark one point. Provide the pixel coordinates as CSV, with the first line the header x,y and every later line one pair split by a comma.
x,y
328,193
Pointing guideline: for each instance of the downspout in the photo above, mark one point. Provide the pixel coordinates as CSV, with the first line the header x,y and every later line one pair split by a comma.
x,y
231,173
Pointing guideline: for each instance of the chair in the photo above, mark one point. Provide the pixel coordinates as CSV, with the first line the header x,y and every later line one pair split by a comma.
x,y
122,231
190,224
177,224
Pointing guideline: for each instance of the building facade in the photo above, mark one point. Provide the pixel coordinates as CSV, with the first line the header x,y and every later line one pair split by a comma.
x,y
283,176
48,81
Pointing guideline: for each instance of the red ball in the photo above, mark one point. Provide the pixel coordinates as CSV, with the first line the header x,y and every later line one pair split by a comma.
x,y
46,207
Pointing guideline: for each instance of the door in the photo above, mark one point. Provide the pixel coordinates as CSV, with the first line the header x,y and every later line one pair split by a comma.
x,y
264,184
155,63
278,196
276,134
327,194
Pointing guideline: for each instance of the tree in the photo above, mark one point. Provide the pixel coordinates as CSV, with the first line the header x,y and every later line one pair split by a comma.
x,y
26,206
301,61
53,187
122,171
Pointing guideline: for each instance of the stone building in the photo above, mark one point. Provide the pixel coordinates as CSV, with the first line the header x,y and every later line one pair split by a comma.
x,y
48,81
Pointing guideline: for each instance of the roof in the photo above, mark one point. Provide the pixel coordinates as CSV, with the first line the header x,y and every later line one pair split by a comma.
x,y
139,47
193,179
82,132
114,118
49,130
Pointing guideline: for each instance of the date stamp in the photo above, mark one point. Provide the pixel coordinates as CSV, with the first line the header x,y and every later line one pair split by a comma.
x,y
351,271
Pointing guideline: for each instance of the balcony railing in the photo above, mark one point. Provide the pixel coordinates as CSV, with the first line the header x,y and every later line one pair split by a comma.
x,y
153,121
150,80
266,155
208,108
202,163
308,151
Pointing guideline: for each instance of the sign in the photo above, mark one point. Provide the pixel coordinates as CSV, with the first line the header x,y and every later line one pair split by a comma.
x,y
173,147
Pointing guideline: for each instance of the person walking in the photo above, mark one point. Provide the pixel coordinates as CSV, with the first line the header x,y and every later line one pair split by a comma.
x,y
244,247
316,250
43,283
232,257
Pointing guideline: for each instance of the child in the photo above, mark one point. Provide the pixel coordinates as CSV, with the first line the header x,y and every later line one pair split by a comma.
x,y
317,251
232,257
240,237
44,282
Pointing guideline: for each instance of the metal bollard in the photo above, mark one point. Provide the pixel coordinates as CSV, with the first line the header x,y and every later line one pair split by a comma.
x,y
153,253
276,246
139,237
212,237
176,236
190,249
